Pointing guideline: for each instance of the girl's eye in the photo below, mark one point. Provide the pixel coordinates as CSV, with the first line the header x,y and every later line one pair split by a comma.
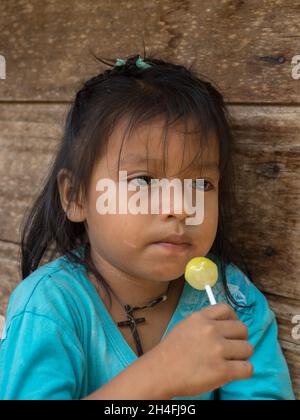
x,y
146,180
203,185
141,181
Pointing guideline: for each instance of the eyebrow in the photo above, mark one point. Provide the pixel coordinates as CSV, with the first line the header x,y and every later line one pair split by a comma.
x,y
138,159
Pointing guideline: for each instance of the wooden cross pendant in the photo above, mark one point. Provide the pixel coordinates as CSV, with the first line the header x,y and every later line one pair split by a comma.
x,y
131,322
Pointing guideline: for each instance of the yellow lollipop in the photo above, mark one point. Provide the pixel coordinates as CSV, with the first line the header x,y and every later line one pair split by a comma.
x,y
202,274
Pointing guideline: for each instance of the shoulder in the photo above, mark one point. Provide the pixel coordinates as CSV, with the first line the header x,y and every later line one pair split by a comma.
x,y
56,290
245,293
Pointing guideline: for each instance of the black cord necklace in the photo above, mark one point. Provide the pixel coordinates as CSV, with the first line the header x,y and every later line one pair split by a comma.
x,y
132,322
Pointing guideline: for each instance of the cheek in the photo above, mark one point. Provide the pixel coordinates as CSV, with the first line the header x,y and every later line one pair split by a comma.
x,y
208,228
207,231
211,208
122,233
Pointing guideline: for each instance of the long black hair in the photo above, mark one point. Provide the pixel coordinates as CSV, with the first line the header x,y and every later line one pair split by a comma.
x,y
166,90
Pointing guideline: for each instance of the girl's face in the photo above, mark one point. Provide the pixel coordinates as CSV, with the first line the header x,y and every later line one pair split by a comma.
x,y
124,243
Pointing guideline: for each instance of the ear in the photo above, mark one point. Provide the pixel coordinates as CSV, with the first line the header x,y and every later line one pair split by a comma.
x,y
74,211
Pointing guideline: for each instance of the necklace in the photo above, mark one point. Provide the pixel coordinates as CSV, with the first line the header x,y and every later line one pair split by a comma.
x,y
131,321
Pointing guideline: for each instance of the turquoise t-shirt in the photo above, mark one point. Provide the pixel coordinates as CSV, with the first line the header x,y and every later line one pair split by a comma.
x,y
61,343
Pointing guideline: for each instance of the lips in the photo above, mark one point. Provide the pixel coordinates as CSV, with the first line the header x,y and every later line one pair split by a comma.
x,y
175,239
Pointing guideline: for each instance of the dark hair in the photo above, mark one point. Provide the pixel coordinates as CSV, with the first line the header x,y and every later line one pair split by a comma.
x,y
163,90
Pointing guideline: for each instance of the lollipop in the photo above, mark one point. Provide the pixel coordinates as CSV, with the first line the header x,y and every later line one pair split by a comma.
x,y
202,274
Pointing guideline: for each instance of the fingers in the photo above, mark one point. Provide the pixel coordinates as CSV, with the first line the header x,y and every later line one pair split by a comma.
x,y
233,330
220,312
239,370
237,350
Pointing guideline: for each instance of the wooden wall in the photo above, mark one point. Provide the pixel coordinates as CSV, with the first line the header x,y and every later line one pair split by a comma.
x,y
245,46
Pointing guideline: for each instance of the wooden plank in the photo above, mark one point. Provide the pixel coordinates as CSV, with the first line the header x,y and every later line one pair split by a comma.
x,y
292,354
266,226
285,310
28,137
245,46
9,273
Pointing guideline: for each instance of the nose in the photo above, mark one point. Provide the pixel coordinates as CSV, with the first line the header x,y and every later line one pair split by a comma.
x,y
171,200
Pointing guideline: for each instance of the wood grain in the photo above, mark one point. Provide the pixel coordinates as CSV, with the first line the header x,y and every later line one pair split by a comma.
x,y
246,47
29,135
9,272
267,219
292,354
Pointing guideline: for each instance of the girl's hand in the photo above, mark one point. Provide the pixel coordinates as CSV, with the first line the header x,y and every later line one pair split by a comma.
x,y
204,352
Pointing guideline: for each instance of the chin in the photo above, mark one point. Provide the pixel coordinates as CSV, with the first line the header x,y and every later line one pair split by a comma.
x,y
168,273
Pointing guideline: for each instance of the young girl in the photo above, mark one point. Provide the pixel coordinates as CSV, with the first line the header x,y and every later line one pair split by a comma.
x,y
112,316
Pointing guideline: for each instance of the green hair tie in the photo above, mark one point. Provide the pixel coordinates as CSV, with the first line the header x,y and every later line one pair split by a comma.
x,y
140,63
120,62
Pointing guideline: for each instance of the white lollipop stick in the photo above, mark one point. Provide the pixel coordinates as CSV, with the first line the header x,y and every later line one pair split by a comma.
x,y
210,294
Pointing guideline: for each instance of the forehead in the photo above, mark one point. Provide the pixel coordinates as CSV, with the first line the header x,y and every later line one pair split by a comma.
x,y
154,142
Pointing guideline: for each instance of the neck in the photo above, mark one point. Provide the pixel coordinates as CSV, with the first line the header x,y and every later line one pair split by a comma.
x,y
130,290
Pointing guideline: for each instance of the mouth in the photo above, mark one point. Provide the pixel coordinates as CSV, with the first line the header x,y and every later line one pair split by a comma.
x,y
171,247
173,243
